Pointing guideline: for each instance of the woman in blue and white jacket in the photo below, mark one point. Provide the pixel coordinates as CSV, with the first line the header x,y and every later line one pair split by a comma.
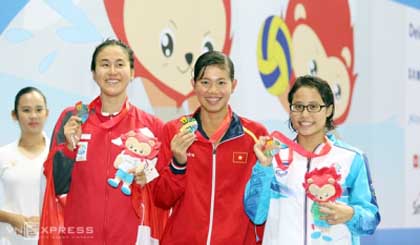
x,y
275,193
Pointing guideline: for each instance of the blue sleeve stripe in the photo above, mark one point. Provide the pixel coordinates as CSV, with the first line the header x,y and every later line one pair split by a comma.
x,y
257,193
362,198
371,188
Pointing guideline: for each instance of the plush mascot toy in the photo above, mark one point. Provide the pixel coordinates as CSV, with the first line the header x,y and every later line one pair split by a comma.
x,y
139,151
321,185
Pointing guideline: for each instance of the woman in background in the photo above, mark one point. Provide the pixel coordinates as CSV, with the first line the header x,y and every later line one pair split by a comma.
x,y
20,170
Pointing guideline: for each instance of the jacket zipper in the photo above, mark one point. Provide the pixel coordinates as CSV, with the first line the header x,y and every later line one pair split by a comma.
x,y
305,215
106,191
213,187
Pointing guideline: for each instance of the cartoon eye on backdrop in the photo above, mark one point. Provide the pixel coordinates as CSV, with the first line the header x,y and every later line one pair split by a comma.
x,y
207,44
167,42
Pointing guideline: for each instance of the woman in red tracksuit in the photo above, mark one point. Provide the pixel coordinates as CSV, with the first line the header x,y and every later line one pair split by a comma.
x,y
83,153
205,171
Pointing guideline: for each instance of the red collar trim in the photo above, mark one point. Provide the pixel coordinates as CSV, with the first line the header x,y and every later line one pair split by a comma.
x,y
217,136
221,130
96,105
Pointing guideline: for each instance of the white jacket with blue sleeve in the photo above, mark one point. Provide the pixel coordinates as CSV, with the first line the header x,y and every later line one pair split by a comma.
x,y
275,195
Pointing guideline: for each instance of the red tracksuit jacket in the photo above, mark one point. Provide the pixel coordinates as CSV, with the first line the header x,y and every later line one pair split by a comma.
x,y
94,212
207,194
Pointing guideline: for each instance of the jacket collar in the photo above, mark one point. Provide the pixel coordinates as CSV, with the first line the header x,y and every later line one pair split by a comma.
x,y
95,107
234,130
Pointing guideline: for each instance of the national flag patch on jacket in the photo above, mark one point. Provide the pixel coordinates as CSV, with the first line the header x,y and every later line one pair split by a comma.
x,y
240,157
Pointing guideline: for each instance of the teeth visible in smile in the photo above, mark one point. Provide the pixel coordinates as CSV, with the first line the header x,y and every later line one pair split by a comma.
x,y
112,81
305,123
212,100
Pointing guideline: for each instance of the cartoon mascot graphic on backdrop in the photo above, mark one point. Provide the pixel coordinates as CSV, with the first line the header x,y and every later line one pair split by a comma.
x,y
167,37
316,37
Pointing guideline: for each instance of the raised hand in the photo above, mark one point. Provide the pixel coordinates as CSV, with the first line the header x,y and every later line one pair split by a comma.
x,y
259,149
179,145
73,131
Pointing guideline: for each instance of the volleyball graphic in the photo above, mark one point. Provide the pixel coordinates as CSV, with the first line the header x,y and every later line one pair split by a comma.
x,y
274,55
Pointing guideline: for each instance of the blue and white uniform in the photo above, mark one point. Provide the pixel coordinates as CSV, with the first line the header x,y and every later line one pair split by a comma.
x,y
275,195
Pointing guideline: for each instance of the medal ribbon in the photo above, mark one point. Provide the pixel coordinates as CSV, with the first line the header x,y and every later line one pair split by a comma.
x,y
293,146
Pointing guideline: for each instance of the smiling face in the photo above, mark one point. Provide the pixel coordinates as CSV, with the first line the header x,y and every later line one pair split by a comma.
x,y
214,88
31,113
168,36
112,72
311,125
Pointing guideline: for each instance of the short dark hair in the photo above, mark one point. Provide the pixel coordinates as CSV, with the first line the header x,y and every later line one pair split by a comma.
x,y
213,58
23,91
109,42
324,90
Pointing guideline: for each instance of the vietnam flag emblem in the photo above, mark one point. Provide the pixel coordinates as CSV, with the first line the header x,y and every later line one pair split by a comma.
x,y
240,157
